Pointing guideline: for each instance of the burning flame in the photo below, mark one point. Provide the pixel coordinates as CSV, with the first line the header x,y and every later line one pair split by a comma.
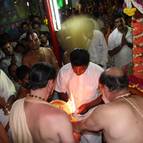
x,y
71,105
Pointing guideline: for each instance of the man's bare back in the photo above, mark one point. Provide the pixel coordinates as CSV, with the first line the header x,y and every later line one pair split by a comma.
x,y
121,117
120,121
52,125
32,119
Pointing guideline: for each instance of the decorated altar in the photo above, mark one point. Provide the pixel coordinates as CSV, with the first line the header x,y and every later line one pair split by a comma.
x,y
134,8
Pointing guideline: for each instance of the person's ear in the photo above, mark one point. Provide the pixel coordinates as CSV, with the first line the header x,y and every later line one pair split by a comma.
x,y
19,81
50,83
100,86
103,88
106,88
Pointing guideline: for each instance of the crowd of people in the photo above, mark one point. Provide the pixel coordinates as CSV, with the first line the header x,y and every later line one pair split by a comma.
x,y
93,79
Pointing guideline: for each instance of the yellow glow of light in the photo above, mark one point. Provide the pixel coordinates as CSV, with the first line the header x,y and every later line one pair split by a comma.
x,y
68,107
76,32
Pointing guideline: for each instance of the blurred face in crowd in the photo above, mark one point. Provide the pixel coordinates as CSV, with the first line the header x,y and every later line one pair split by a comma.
x,y
79,70
34,42
25,27
43,38
8,49
120,23
36,27
12,71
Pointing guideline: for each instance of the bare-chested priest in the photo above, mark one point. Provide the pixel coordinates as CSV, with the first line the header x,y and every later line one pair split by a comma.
x,y
121,117
36,53
32,119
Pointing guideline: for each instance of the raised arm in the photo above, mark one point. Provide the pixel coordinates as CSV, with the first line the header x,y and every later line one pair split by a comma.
x,y
54,61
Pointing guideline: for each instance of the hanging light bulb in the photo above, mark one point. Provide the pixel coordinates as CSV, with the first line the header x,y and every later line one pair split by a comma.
x,y
15,2
66,2
27,3
55,15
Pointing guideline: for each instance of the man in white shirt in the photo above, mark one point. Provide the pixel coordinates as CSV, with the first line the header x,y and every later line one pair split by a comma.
x,y
120,43
79,78
78,81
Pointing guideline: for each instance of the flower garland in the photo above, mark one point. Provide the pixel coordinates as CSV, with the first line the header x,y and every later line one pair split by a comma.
x,y
135,82
137,24
128,10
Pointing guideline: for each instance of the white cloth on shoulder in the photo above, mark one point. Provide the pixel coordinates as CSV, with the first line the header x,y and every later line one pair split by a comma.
x,y
6,90
7,87
18,124
125,55
98,49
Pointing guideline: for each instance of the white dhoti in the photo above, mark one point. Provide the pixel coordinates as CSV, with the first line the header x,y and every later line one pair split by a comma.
x,y
18,124
89,137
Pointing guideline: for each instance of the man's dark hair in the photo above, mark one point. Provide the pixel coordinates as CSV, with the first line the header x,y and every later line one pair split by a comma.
x,y
114,82
117,15
23,23
22,71
10,68
32,18
40,74
4,39
79,57
35,23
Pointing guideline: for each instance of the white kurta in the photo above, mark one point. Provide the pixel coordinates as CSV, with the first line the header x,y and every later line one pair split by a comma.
x,y
124,56
6,90
81,89
98,49
6,86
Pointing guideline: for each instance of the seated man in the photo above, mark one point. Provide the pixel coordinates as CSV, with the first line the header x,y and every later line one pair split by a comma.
x,y
32,119
121,120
